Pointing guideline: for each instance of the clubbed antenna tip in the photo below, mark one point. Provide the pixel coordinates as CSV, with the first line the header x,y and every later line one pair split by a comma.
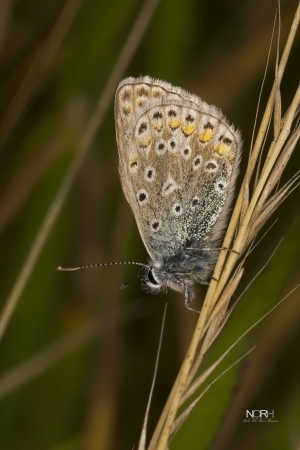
x,y
67,269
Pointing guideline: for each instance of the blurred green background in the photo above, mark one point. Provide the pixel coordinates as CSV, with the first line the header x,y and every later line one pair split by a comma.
x,y
77,356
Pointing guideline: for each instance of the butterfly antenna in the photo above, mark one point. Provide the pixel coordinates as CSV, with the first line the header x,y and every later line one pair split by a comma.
x,y
99,265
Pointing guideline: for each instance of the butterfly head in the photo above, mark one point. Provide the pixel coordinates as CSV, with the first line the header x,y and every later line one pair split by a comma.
x,y
159,278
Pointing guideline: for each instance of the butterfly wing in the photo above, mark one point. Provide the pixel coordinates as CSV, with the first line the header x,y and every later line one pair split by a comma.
x,y
178,161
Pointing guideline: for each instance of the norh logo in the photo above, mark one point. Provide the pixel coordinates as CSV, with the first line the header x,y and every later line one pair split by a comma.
x,y
260,415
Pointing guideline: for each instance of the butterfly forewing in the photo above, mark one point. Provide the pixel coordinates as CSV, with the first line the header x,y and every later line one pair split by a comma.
x,y
178,160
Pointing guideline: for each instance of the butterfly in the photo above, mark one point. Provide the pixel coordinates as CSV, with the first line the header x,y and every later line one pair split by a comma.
x,y
178,162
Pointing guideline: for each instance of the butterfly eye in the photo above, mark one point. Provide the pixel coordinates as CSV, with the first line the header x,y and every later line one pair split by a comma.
x,y
152,279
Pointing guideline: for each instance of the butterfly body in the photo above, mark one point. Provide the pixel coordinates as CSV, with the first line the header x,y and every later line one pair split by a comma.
x,y
178,162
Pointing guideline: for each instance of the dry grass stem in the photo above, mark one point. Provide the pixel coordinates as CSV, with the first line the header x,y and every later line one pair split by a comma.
x,y
277,106
255,203
184,415
271,205
203,377
277,171
246,184
216,322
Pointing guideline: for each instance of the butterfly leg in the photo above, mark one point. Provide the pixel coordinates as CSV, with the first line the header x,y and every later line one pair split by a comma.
x,y
188,297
